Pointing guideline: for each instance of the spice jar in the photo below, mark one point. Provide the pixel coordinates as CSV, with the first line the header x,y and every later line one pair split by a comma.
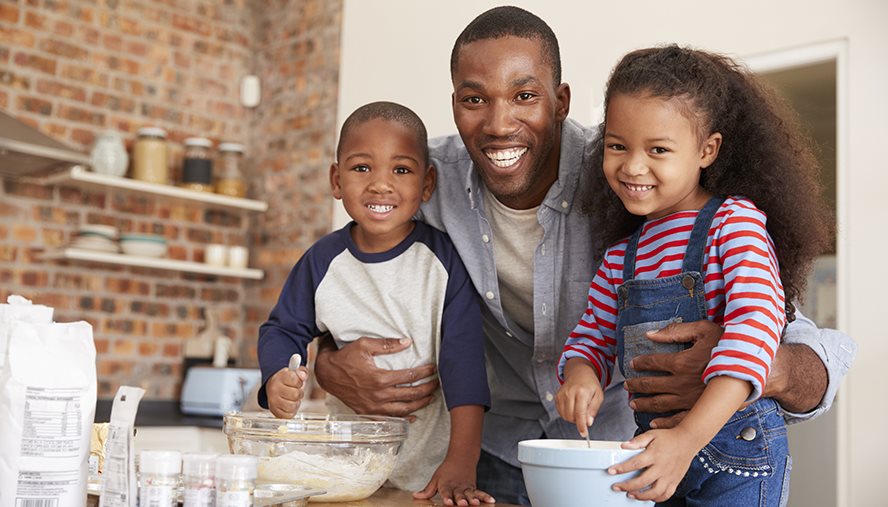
x,y
159,478
150,156
198,471
197,169
235,480
231,180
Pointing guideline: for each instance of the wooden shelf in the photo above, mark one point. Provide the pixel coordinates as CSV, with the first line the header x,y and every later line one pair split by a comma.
x,y
79,176
81,254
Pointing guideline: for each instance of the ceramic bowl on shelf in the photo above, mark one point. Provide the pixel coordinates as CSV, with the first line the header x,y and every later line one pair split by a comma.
x,y
143,245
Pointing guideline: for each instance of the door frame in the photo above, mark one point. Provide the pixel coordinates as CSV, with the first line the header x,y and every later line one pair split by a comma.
x,y
789,58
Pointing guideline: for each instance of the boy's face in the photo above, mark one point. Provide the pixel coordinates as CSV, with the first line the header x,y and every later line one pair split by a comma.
x,y
382,178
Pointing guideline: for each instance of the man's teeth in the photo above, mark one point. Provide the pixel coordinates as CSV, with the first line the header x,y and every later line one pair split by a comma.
x,y
380,208
638,188
505,158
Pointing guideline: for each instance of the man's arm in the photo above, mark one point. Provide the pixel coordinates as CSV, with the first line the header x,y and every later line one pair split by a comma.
x,y
351,375
804,378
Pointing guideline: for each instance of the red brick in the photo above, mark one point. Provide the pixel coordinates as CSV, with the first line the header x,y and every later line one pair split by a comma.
x,y
83,137
90,35
4,231
81,115
16,37
123,347
7,254
78,196
59,89
34,105
53,238
33,278
55,130
133,204
193,25
172,350
113,102
137,48
102,345
147,349
9,12
4,99
178,253
181,60
15,187
56,215
85,75
65,49
63,28
112,42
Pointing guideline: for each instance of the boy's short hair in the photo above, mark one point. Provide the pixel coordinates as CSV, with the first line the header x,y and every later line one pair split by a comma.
x,y
388,111
509,21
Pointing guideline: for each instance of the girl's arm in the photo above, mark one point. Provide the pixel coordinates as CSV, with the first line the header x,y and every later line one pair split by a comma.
x,y
454,479
668,453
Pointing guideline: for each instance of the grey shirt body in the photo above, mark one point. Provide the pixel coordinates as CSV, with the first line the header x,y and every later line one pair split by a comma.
x,y
521,365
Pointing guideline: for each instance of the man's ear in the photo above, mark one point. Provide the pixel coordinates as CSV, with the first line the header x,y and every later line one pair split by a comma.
x,y
562,100
710,149
334,181
428,186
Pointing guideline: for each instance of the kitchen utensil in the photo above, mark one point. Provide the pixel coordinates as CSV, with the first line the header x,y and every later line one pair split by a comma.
x,y
143,245
349,456
567,473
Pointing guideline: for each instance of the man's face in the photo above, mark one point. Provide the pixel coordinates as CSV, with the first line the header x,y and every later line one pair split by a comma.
x,y
508,111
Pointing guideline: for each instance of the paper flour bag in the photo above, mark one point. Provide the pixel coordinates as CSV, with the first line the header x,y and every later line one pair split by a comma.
x,y
19,308
47,406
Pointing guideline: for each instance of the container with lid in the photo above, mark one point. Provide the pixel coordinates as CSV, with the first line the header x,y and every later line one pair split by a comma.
x,y
159,478
150,155
230,180
197,169
235,480
198,472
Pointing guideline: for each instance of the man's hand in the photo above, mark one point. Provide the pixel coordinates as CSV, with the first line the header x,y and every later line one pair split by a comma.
x,y
285,390
351,375
679,390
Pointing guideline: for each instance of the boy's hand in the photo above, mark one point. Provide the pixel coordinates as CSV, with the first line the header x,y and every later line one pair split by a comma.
x,y
581,396
667,456
455,482
285,390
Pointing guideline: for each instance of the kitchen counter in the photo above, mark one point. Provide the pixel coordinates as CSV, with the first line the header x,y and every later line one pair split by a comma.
x,y
386,497
159,413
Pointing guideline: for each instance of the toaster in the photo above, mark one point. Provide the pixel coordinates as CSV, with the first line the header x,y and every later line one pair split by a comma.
x,y
217,391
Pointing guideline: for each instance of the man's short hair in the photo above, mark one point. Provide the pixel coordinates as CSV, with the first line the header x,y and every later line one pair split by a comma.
x,y
509,21
388,111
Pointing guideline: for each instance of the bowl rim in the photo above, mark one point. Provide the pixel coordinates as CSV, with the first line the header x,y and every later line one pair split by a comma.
x,y
264,424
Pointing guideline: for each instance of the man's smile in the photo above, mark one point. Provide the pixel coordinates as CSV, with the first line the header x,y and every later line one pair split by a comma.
x,y
505,158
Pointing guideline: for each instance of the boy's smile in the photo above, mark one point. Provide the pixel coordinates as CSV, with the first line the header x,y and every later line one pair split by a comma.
x,y
382,178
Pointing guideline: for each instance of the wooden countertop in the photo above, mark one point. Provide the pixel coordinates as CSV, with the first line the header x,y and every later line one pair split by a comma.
x,y
387,497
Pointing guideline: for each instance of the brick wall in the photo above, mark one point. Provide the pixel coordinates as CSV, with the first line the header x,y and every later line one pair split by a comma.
x,y
74,68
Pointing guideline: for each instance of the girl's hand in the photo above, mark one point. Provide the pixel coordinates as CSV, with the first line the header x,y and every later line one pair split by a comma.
x,y
581,396
455,482
667,456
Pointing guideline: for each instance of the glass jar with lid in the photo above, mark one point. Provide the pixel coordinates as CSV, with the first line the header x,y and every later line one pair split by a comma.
x,y
197,168
150,155
231,180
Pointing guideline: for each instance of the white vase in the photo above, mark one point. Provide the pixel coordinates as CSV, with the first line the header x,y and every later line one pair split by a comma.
x,y
108,155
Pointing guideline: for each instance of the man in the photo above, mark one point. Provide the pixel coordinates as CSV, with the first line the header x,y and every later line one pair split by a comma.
x,y
508,195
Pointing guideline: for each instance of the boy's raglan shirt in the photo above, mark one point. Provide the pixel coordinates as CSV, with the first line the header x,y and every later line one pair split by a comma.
x,y
421,283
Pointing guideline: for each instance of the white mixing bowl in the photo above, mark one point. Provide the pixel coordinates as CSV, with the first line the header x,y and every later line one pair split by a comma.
x,y
567,473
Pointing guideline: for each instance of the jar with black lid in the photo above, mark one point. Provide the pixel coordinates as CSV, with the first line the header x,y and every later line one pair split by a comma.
x,y
197,169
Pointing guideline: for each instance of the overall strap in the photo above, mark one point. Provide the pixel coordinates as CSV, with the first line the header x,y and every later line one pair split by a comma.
x,y
694,254
629,258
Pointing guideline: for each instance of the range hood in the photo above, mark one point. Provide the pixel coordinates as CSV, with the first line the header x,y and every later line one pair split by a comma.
x,y
26,152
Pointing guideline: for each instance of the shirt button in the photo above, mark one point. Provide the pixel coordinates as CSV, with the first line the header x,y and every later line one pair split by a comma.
x,y
543,249
549,397
564,204
544,308
489,295
508,334
485,238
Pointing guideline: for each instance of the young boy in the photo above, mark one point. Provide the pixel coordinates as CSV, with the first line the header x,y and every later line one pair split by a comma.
x,y
386,275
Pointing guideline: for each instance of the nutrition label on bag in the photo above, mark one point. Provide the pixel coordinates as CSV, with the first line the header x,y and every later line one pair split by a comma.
x,y
51,425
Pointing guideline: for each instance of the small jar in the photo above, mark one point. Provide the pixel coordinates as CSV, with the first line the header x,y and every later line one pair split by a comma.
x,y
235,480
231,180
159,478
150,156
198,472
197,168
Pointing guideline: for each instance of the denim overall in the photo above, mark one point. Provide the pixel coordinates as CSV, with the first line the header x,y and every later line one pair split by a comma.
x,y
747,463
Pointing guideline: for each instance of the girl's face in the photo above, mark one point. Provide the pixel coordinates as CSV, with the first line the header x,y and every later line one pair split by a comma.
x,y
653,155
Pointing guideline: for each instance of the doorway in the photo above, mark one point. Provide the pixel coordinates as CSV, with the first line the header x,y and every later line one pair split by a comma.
x,y
811,79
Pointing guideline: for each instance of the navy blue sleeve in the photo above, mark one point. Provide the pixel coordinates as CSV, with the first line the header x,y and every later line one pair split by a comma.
x,y
291,326
461,363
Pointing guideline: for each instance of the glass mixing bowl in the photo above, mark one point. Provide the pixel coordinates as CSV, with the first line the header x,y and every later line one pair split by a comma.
x,y
349,456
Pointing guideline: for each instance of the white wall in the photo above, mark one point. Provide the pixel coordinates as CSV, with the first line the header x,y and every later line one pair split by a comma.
x,y
400,50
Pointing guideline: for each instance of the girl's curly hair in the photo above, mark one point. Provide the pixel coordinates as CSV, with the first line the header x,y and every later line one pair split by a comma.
x,y
764,154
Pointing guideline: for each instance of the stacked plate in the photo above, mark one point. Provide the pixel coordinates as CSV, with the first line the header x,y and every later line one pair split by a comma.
x,y
98,237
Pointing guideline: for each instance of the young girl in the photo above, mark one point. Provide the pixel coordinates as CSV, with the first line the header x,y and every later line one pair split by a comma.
x,y
712,175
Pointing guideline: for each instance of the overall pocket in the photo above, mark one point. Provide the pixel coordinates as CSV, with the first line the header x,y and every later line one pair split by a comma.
x,y
750,443
635,343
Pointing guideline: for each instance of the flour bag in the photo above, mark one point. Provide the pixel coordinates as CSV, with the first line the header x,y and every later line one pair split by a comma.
x,y
19,308
47,406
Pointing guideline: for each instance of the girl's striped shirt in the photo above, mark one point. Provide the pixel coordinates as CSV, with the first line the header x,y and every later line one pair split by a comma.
x,y
741,281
